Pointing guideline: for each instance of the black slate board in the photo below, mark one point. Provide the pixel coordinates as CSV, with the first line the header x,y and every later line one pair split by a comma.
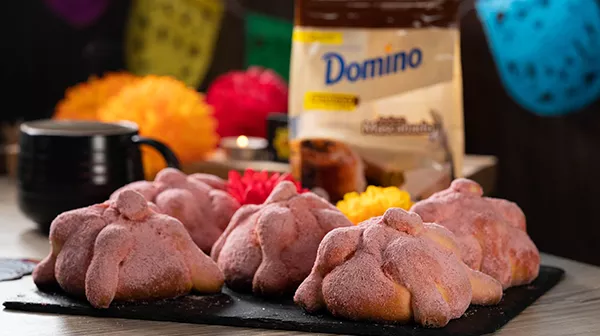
x,y
234,309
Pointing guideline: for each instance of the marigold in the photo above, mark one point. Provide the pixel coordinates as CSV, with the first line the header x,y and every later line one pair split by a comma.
x,y
82,101
281,143
373,202
169,111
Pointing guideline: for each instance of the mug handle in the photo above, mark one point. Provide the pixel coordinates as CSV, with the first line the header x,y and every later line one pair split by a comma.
x,y
163,149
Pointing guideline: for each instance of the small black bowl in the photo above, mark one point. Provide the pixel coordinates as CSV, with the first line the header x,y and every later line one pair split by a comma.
x,y
64,165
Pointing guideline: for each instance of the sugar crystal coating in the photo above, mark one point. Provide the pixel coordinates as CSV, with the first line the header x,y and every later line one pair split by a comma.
x,y
123,250
270,248
199,201
394,268
492,232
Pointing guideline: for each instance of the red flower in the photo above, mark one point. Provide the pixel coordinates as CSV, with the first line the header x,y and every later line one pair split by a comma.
x,y
242,100
254,187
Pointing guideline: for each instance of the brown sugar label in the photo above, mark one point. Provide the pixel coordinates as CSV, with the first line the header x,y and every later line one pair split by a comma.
x,y
396,126
376,103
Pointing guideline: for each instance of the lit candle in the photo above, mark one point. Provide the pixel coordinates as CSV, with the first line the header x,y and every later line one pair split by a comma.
x,y
242,141
245,148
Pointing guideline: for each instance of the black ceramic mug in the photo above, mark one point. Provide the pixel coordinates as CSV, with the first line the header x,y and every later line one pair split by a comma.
x,y
64,165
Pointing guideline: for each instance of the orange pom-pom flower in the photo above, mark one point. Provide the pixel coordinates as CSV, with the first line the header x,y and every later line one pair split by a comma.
x,y
82,101
169,111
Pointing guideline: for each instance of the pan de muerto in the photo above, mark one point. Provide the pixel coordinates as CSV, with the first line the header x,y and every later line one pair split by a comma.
x,y
199,201
270,248
394,268
122,250
492,232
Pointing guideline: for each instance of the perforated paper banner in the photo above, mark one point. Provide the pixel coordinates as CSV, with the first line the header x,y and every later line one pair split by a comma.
x,y
547,59
176,38
269,42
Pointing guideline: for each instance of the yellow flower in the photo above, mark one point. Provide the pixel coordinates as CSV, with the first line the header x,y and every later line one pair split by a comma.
x,y
166,110
83,100
373,202
281,143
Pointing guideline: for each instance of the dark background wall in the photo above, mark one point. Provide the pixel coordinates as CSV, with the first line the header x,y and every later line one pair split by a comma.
x,y
549,166
42,55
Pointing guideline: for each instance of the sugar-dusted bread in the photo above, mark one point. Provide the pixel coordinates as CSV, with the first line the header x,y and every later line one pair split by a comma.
x,y
270,248
492,232
199,201
122,250
394,268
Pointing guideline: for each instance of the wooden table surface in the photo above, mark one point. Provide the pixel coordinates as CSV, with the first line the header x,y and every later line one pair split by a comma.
x,y
572,308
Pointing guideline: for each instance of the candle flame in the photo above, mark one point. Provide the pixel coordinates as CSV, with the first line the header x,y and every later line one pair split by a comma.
x,y
242,141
